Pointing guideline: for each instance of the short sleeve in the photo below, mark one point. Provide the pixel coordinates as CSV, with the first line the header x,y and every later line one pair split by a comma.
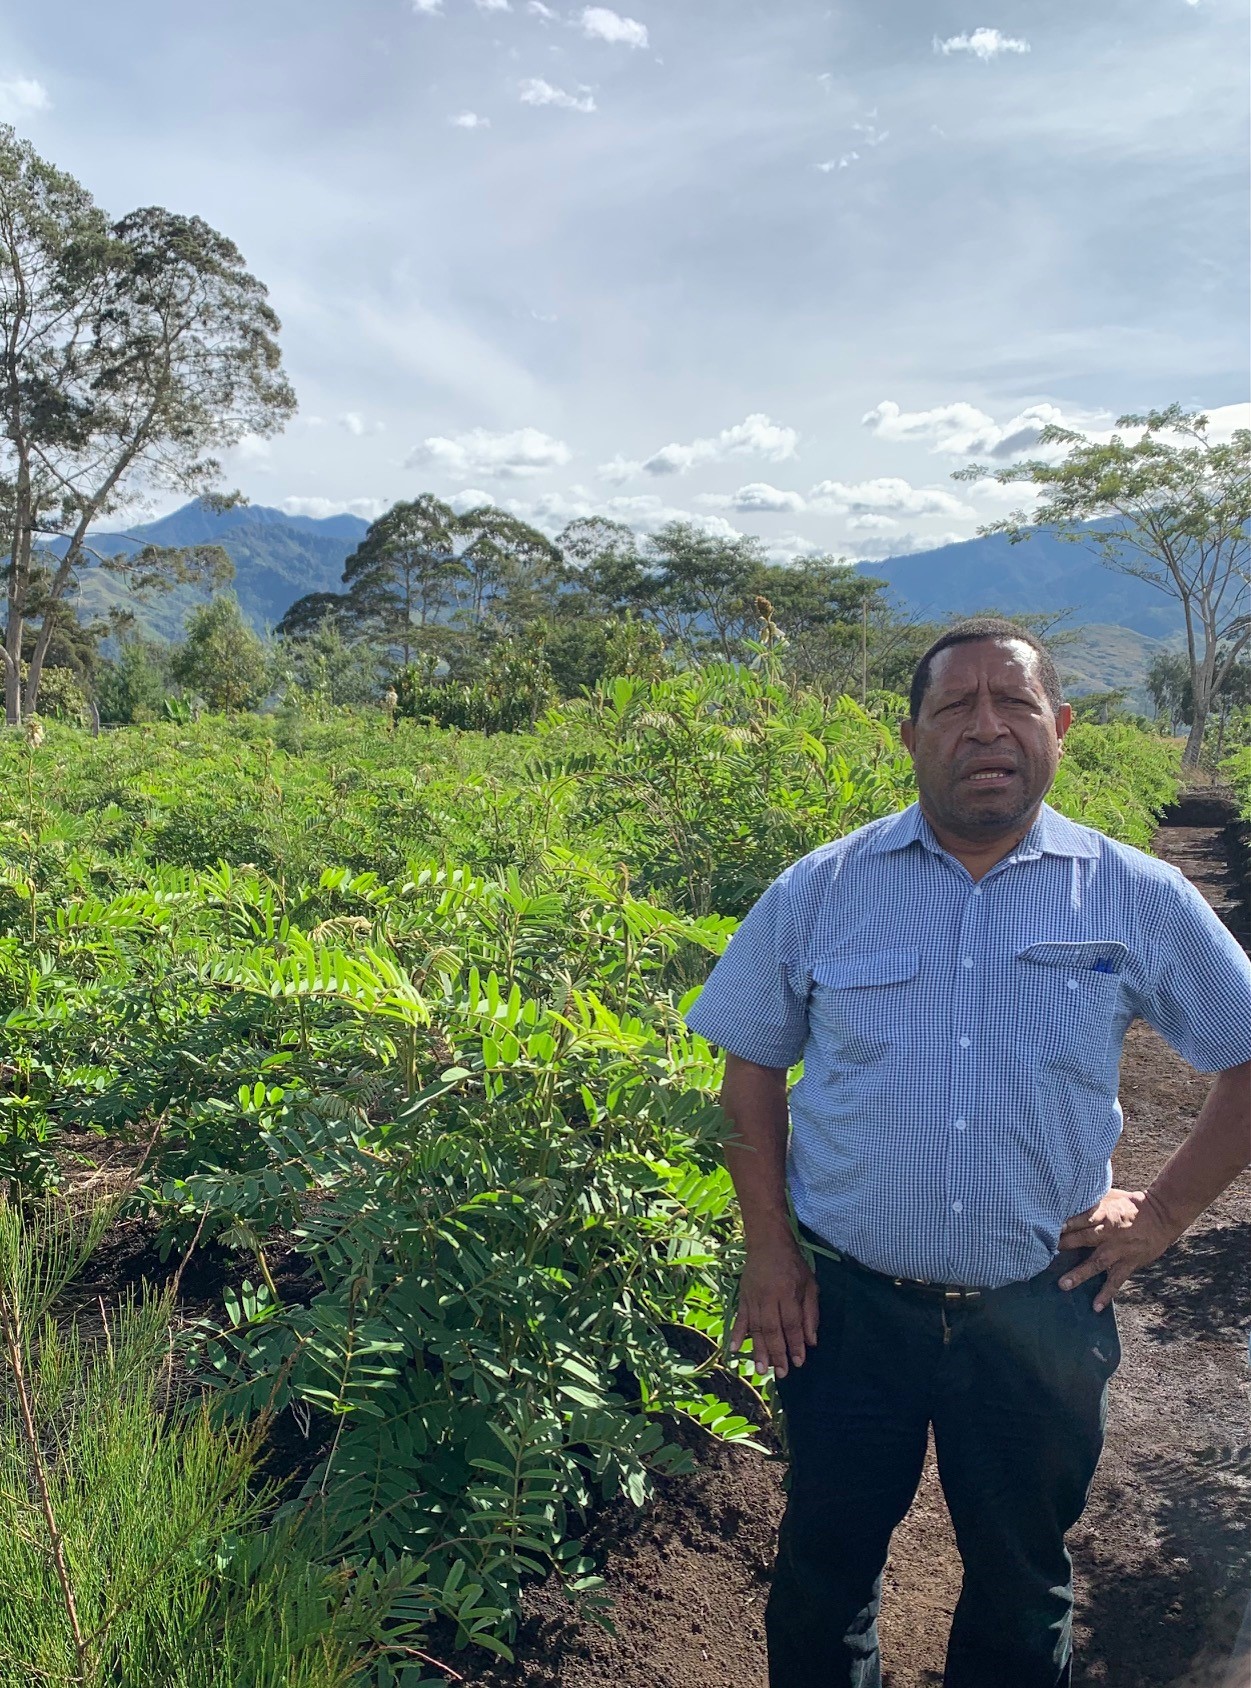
x,y
1201,998
749,1006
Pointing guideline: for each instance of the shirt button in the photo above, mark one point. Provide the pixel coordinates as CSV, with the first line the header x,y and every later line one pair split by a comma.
x,y
977,890
1071,983
964,1043
960,1124
968,961
957,1207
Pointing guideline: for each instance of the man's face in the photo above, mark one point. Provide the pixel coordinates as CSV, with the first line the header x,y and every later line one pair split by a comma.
x,y
986,744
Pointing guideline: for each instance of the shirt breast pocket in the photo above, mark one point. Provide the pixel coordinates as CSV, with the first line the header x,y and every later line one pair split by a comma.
x,y
1069,995
859,1004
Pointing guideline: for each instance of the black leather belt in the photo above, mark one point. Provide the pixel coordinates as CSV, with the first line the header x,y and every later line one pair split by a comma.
x,y
949,1293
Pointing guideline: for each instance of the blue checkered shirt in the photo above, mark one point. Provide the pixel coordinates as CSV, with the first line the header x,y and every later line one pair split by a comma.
x,y
961,1042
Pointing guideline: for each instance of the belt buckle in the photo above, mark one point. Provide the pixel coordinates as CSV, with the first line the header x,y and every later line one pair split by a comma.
x,y
948,1292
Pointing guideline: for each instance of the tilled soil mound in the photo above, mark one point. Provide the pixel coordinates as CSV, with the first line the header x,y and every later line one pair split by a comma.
x,y
1163,1553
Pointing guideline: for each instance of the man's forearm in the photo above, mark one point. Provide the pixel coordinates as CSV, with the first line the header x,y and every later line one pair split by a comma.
x,y
1212,1156
777,1302
755,1100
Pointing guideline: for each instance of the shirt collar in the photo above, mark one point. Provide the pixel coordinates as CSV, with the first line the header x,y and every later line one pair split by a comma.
x,y
1050,835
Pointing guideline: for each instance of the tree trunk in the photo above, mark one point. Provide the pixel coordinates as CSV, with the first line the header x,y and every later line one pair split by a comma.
x,y
18,587
1220,727
1203,688
34,674
47,626
12,676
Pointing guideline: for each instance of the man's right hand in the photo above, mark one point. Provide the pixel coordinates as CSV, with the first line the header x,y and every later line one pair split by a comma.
x,y
777,1306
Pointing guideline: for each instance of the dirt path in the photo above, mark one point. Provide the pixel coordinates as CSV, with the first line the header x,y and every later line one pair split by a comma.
x,y
1163,1554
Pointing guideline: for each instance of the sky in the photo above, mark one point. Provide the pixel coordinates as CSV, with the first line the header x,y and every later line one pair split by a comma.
x,y
775,266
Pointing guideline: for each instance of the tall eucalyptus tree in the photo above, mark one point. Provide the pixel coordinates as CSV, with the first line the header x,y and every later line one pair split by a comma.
x,y
403,573
131,352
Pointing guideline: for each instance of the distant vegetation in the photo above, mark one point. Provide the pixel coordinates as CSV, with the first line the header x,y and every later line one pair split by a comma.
x,y
479,621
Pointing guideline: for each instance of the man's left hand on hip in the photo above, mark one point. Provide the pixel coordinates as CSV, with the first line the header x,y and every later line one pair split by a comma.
x,y
1125,1232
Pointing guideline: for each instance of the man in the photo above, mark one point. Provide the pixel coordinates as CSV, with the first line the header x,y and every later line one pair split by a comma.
x,y
958,980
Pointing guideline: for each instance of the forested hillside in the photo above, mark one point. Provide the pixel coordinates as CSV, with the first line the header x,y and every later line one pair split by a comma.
x,y
279,558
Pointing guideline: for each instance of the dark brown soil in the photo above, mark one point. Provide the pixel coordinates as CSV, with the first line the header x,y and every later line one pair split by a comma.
x,y
1163,1553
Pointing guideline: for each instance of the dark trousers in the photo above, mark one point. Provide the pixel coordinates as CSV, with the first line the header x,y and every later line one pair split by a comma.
x,y
1015,1387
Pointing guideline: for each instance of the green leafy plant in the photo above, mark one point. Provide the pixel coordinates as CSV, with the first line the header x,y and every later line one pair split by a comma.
x,y
513,690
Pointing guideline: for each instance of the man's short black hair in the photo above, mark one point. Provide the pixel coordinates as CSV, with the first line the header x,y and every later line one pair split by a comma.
x,y
973,631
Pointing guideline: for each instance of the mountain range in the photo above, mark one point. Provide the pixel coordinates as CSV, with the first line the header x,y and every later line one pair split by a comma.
x,y
278,558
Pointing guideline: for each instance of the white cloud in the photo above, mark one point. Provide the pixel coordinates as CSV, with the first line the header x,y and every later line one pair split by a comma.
x,y
638,504
354,423
756,435
469,498
618,470
715,526
757,496
254,452
984,44
1222,422
870,134
601,24
20,95
554,510
872,524
319,508
493,5
887,495
962,430
428,8
511,456
1226,417
537,9
643,511
997,499
789,547
536,92
899,545
469,120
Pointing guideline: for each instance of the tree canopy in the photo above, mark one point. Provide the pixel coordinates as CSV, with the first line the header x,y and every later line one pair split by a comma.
x,y
131,352
424,579
1171,507
222,659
